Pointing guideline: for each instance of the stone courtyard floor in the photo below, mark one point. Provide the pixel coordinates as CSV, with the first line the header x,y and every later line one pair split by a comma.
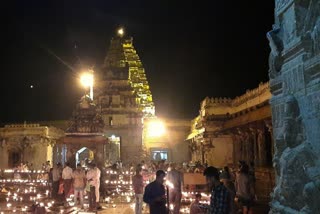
x,y
120,209
260,208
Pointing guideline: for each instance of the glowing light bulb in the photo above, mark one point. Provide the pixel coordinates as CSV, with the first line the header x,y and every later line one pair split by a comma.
x,y
120,32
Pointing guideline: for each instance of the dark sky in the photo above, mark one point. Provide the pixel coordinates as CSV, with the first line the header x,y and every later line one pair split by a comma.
x,y
190,50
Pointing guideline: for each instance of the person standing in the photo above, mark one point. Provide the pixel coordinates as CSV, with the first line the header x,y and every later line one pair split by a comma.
x,y
56,176
225,178
175,194
47,166
67,179
137,183
245,191
155,194
220,198
79,181
93,177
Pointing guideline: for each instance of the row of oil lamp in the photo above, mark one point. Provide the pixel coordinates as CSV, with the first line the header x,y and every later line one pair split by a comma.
x,y
187,199
113,172
118,182
120,186
22,192
41,181
22,171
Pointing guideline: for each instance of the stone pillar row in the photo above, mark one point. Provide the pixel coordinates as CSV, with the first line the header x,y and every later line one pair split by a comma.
x,y
249,145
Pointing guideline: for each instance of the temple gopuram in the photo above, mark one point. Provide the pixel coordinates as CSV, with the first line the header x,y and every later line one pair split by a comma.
x,y
123,95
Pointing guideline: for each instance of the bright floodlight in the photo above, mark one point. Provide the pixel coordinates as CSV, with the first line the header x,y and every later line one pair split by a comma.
x,y
86,79
120,32
156,128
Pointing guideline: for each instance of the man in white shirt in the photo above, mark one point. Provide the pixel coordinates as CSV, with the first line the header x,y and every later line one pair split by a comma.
x,y
93,177
67,179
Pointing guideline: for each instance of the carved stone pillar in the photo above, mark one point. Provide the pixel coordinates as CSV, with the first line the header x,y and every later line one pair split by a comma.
x,y
242,145
270,130
253,145
236,147
248,145
261,148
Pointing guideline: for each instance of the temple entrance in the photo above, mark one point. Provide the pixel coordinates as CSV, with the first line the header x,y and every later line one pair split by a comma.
x,y
84,156
159,154
114,148
14,158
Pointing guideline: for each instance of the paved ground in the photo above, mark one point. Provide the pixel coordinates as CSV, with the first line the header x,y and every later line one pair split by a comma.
x,y
259,208
120,209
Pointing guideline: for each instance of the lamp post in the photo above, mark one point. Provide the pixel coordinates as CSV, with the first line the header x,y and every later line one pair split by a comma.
x,y
86,80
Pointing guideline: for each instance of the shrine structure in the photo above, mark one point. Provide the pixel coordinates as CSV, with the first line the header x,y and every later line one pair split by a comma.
x,y
84,140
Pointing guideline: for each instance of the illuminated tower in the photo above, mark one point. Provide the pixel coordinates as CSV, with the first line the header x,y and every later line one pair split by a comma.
x,y
123,93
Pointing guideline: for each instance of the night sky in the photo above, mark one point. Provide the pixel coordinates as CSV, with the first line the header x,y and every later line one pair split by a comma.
x,y
190,50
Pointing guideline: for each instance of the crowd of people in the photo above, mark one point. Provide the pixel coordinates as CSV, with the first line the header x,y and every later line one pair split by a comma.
x,y
231,191
158,184
77,182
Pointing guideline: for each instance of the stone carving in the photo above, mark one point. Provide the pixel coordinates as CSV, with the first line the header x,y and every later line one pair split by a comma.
x,y
293,160
315,36
289,30
280,4
275,59
312,26
296,128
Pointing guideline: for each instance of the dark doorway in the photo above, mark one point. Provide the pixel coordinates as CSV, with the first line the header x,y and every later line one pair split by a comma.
x,y
14,158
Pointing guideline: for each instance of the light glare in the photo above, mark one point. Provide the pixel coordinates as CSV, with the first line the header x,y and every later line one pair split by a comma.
x,y
121,32
86,79
156,128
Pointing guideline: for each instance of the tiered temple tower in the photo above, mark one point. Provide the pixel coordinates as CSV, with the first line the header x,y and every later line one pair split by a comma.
x,y
122,91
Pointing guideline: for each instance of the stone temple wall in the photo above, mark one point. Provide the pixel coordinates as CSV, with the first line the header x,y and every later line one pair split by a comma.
x,y
295,86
